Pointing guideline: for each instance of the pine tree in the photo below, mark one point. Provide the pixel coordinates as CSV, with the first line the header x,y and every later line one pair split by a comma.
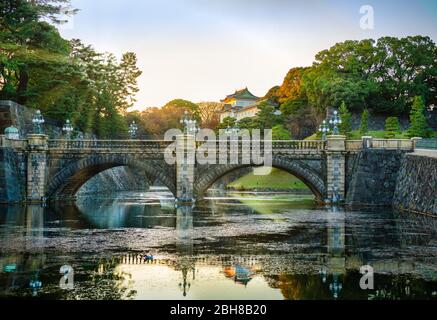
x,y
418,124
345,116
392,127
364,127
128,75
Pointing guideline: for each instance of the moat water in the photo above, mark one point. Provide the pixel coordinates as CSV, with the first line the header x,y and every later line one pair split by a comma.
x,y
234,246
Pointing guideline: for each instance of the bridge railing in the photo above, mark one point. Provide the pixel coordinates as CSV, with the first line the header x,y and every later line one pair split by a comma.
x,y
14,143
278,145
107,144
354,145
317,145
401,144
430,144
292,145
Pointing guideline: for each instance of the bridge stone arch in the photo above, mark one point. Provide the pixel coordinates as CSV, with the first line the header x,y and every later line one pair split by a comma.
x,y
208,175
68,180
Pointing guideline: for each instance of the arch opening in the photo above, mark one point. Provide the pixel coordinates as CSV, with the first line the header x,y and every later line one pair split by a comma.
x,y
304,173
114,180
67,182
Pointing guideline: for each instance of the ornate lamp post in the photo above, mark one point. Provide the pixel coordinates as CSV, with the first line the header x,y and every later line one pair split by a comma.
x,y
35,284
184,121
38,121
335,286
335,121
185,285
324,129
133,128
68,129
324,274
190,125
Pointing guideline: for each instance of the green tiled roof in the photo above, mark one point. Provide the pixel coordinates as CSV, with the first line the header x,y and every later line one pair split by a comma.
x,y
242,94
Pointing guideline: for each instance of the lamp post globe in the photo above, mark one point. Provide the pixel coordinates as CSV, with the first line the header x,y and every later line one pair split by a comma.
x,y
38,121
133,128
335,121
68,128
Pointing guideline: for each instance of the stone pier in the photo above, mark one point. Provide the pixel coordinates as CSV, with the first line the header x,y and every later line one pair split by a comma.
x,y
335,167
185,162
37,145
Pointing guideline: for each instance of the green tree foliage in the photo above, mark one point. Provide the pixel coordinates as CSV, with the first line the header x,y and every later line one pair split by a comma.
x,y
227,122
280,133
128,74
266,117
175,110
384,74
28,46
65,79
418,124
345,126
392,127
364,126
247,123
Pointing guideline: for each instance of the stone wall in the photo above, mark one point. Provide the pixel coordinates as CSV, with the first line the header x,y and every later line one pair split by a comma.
x,y
416,188
12,176
431,117
12,113
349,169
377,121
373,181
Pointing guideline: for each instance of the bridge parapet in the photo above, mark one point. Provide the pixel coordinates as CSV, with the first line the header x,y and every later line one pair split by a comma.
x,y
299,146
276,144
400,144
354,145
375,143
17,144
105,145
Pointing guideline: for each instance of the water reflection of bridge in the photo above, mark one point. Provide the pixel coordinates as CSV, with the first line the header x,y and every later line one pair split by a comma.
x,y
137,259
337,259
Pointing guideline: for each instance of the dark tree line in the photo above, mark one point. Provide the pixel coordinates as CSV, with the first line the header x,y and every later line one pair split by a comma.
x,y
65,79
382,76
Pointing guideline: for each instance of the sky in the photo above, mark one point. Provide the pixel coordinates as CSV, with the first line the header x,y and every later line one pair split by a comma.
x,y
203,50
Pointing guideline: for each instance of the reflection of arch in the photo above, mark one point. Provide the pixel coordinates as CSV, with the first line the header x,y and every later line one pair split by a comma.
x,y
302,171
68,180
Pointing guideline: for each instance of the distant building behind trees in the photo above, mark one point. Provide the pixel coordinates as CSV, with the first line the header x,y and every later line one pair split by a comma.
x,y
239,105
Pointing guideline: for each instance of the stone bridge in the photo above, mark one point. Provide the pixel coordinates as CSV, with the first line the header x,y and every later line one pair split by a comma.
x,y
56,169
